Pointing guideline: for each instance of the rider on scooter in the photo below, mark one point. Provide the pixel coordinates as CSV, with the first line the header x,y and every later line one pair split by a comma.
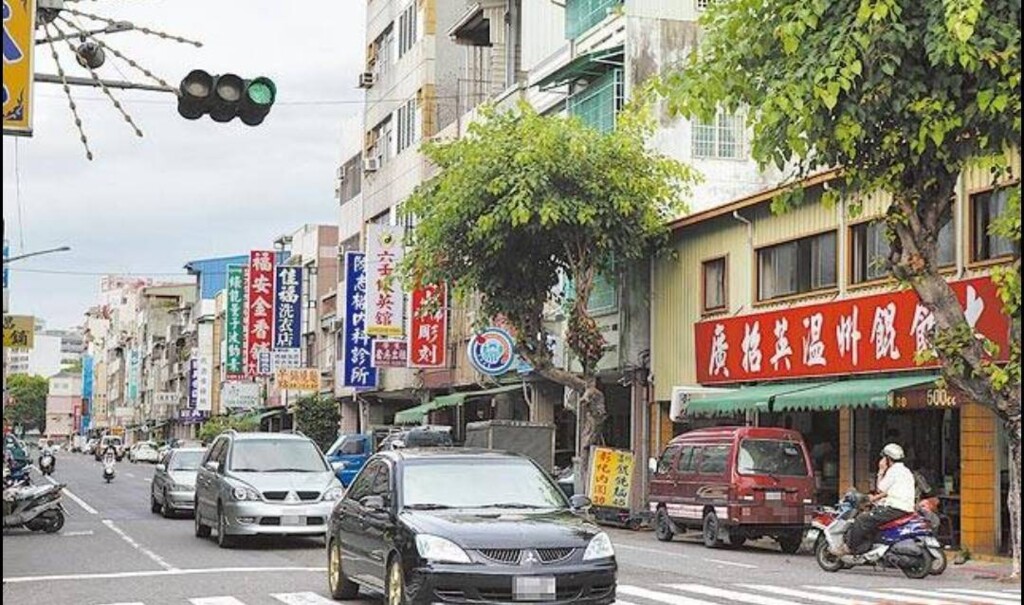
x,y
895,498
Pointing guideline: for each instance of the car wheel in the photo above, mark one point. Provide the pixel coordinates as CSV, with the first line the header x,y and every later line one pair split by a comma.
x,y
223,539
663,529
165,507
823,555
154,506
790,543
711,529
202,531
395,590
922,567
341,587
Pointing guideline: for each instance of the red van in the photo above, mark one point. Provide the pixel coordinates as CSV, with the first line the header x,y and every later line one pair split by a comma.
x,y
735,484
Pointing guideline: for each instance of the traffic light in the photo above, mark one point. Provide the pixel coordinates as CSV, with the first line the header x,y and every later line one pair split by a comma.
x,y
226,96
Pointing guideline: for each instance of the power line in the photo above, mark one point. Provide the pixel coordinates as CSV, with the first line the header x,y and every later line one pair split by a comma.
x,y
305,103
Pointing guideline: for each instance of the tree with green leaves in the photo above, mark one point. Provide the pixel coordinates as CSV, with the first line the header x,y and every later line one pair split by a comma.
x,y
902,96
216,425
27,405
524,200
317,418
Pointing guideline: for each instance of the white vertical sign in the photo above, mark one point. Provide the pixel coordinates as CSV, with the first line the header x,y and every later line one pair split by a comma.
x,y
385,302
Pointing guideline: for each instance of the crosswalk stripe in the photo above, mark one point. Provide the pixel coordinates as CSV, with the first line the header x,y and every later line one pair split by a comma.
x,y
216,601
977,593
621,602
302,598
884,597
661,597
729,595
799,594
948,594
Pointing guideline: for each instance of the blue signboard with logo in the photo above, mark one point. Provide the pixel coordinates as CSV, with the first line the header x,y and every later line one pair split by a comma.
x,y
492,351
357,344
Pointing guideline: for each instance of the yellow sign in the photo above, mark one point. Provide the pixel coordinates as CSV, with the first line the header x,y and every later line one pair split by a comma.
x,y
298,379
19,331
611,477
19,43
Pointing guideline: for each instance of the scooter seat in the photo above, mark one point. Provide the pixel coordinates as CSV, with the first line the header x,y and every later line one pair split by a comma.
x,y
900,521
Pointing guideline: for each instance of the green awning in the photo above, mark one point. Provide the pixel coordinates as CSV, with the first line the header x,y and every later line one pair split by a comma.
x,y
417,414
873,393
744,400
589,65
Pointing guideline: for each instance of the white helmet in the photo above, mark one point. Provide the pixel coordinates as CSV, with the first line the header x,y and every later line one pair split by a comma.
x,y
893,451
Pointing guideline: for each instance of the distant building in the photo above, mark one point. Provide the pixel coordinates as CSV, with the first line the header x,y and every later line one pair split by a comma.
x,y
63,404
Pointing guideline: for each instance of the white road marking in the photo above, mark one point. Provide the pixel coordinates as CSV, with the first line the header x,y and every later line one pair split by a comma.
x,y
661,597
152,555
82,503
132,603
732,563
729,595
216,601
621,602
979,593
949,595
302,598
800,594
652,551
884,597
159,573
72,534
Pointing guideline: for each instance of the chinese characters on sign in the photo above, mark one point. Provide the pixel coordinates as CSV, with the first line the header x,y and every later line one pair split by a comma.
x,y
240,395
19,331
881,333
204,384
301,379
285,358
19,30
390,353
260,306
428,327
234,322
384,298
133,377
193,383
358,355
611,477
288,308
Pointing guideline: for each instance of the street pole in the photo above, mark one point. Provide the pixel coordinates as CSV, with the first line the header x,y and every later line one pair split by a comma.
x,y
37,253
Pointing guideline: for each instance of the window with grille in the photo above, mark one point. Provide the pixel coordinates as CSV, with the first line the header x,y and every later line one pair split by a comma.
x,y
384,48
721,138
408,133
407,30
703,4
599,103
581,15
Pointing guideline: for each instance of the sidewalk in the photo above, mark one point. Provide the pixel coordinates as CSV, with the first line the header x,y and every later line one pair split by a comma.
x,y
992,569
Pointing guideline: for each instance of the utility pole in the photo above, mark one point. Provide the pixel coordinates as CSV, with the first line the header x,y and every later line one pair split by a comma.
x,y
8,260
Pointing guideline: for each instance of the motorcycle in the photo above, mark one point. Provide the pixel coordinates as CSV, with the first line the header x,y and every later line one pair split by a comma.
x,y
35,508
108,467
907,543
47,462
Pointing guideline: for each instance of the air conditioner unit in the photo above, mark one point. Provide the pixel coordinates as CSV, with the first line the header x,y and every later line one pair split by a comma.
x,y
367,79
371,164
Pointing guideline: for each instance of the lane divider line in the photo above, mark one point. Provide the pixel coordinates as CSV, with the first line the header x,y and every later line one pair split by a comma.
x,y
731,563
82,503
158,573
152,555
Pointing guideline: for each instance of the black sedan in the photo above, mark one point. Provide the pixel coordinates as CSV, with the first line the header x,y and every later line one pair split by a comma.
x,y
465,526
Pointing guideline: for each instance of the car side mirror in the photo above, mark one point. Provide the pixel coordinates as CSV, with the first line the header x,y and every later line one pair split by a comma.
x,y
338,466
374,504
652,465
213,466
579,502
161,468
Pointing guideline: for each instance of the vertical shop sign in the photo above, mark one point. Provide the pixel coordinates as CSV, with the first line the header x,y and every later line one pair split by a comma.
x,y
260,307
358,368
428,327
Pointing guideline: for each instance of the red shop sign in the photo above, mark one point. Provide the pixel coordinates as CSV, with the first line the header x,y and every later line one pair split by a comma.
x,y
881,333
428,330
259,309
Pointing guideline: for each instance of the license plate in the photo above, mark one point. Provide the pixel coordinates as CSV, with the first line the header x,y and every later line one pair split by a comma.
x,y
932,542
534,589
773,495
291,520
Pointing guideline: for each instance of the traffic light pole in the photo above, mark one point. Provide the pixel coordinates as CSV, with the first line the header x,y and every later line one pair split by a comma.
x,y
119,84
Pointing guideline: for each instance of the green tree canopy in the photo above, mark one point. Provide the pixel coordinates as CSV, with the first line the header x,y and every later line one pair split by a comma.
x,y
902,96
317,418
27,401
219,424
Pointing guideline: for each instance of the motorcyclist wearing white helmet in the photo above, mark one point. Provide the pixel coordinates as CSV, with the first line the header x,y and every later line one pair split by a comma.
x,y
895,497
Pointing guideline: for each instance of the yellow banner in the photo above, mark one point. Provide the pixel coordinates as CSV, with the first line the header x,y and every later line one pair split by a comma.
x,y
19,32
611,477
19,331
298,379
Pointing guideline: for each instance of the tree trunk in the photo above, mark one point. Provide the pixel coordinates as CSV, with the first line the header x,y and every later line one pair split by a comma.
x,y
1013,498
590,411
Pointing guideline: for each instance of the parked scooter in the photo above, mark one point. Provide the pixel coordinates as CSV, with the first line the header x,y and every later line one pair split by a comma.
x,y
907,543
108,466
35,508
47,462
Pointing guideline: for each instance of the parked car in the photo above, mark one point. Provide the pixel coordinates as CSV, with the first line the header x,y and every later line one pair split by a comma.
x,y
734,484
264,483
144,451
90,446
107,441
466,526
173,489
348,454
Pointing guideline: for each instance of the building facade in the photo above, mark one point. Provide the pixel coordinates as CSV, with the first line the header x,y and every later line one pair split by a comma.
x,y
63,406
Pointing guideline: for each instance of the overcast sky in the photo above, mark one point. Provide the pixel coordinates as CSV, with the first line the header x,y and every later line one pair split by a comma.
x,y
187,189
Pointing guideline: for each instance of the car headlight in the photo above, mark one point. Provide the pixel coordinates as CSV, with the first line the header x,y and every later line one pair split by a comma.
x,y
600,547
333,494
242,493
439,550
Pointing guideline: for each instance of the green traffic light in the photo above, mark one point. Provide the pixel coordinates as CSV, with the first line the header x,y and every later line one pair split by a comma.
x,y
261,91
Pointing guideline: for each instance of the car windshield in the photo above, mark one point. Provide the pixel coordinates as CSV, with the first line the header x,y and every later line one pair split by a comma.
x,y
771,457
185,461
476,483
276,456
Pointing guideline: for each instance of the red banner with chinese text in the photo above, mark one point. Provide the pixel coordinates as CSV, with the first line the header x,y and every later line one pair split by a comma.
x,y
428,327
881,333
259,331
